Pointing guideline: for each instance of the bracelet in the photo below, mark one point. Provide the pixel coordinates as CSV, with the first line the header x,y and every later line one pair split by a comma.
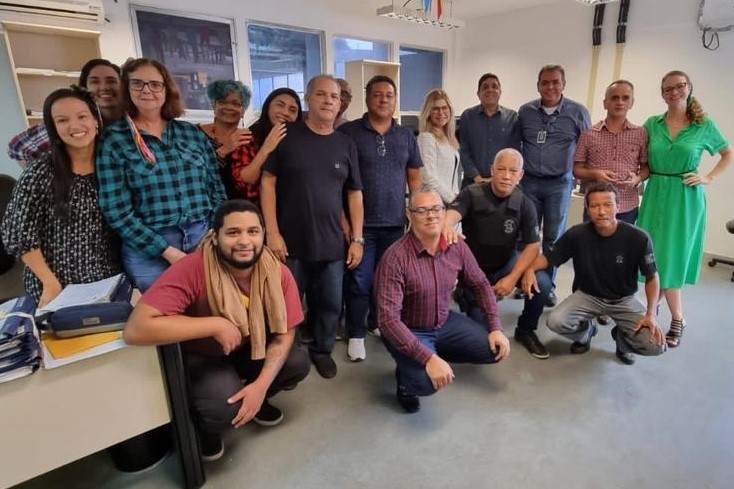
x,y
358,240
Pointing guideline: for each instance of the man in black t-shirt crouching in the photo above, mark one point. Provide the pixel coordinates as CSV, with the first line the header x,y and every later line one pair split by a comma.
x,y
607,256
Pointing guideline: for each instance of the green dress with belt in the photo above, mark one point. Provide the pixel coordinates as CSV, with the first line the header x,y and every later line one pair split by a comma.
x,y
674,213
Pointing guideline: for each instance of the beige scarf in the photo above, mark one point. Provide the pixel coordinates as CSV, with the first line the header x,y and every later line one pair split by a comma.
x,y
267,303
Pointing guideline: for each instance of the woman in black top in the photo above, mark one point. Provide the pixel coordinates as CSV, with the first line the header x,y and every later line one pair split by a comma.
x,y
53,222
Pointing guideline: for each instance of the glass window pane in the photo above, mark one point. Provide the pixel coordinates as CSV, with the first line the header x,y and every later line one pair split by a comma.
x,y
282,57
346,49
420,71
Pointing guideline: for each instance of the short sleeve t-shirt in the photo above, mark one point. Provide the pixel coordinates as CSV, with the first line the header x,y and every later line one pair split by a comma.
x,y
605,267
313,172
181,289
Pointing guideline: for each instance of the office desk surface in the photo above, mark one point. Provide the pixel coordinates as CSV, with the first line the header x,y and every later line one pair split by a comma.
x,y
54,417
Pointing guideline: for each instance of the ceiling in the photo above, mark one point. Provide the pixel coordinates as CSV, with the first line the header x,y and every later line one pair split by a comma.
x,y
467,9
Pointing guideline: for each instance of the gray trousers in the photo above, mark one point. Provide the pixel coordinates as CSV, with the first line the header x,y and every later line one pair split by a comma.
x,y
571,319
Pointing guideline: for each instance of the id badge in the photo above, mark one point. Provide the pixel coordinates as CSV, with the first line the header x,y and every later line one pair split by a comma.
x,y
541,136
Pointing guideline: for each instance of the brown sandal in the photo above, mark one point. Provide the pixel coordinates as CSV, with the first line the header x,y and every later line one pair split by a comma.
x,y
675,333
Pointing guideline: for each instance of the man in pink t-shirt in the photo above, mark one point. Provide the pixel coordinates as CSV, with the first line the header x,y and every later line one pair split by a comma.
x,y
227,387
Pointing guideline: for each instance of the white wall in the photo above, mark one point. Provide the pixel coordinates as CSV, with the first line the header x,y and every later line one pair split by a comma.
x,y
662,35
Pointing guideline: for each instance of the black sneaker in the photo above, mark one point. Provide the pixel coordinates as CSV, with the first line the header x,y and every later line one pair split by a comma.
x,y
325,365
552,300
532,344
579,347
626,358
212,446
268,415
410,402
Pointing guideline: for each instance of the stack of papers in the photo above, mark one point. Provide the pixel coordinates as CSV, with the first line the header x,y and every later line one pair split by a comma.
x,y
63,351
80,294
20,351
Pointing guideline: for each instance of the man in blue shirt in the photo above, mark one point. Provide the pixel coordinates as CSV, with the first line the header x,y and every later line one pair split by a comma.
x,y
484,130
388,160
551,126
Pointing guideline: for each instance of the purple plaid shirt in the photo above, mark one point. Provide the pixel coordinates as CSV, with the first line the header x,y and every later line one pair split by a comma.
x,y
30,144
413,291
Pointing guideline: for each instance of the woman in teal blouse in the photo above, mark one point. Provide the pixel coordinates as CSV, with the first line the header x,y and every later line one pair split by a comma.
x,y
673,208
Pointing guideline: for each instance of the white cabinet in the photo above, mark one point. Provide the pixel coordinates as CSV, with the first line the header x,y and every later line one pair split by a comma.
x,y
44,59
358,73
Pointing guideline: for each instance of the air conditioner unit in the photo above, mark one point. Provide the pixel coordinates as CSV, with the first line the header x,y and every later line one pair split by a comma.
x,y
85,10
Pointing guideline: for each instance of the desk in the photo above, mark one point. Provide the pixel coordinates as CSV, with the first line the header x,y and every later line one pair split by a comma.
x,y
54,417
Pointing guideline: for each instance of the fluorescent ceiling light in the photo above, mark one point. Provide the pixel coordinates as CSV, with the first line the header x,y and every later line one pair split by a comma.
x,y
596,2
419,17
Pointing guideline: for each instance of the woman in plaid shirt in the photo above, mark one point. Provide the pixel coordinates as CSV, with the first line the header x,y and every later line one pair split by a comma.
x,y
158,177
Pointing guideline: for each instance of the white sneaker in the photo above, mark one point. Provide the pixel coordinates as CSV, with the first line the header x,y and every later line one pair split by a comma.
x,y
355,350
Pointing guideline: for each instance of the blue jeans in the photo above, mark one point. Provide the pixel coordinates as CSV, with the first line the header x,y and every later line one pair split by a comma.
x,y
533,308
143,271
321,282
358,291
551,197
459,340
630,217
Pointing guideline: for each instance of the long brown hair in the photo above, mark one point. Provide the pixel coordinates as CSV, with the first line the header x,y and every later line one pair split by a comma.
x,y
694,110
173,106
445,133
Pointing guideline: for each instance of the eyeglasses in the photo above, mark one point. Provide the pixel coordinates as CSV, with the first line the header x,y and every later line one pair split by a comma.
x,y
381,149
229,103
678,87
153,85
444,108
423,211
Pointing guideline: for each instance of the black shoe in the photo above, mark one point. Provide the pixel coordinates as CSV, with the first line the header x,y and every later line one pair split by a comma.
x,y
552,300
626,358
410,402
579,347
325,365
212,446
603,319
268,415
532,344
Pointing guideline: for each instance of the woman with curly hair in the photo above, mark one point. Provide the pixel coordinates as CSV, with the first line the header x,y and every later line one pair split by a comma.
x,y
230,99
673,209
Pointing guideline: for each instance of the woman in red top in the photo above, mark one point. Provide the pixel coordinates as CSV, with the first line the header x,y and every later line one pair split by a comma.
x,y
281,106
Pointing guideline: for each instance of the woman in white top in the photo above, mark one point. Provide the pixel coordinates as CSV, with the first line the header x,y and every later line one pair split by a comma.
x,y
438,145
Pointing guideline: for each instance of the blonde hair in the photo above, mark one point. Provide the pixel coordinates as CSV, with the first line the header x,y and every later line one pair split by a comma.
x,y
446,133
694,110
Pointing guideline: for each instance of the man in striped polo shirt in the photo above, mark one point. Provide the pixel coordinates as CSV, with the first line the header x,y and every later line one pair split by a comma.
x,y
413,288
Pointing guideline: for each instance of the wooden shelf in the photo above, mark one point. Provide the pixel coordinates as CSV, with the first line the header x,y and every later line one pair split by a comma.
x,y
46,58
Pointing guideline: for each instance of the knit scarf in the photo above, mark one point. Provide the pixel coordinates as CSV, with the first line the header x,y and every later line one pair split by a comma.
x,y
266,301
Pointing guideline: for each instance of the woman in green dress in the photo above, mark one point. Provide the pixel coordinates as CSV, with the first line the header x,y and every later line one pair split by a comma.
x,y
673,208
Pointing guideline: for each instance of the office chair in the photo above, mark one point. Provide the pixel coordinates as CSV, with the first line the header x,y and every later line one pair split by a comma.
x,y
714,261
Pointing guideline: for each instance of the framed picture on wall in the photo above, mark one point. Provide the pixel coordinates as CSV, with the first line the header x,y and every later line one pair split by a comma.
x,y
196,49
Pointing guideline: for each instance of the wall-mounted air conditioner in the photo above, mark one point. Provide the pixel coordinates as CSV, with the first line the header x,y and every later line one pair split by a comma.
x,y
85,10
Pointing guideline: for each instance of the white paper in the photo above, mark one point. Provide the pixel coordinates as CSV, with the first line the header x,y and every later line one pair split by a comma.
x,y
79,294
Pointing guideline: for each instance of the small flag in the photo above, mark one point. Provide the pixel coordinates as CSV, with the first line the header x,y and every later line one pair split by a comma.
x,y
439,8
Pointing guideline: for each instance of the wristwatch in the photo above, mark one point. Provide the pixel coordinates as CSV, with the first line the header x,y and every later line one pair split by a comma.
x,y
358,240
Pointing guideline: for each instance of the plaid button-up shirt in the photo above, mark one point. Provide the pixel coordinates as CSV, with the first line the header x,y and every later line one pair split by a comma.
x,y
30,144
140,198
621,153
413,291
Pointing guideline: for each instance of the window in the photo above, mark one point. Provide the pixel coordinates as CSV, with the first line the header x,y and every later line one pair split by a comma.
x,y
281,57
420,71
346,49
196,49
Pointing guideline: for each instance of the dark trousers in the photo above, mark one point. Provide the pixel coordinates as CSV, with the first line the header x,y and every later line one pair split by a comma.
x,y
533,308
321,282
213,380
358,298
459,340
